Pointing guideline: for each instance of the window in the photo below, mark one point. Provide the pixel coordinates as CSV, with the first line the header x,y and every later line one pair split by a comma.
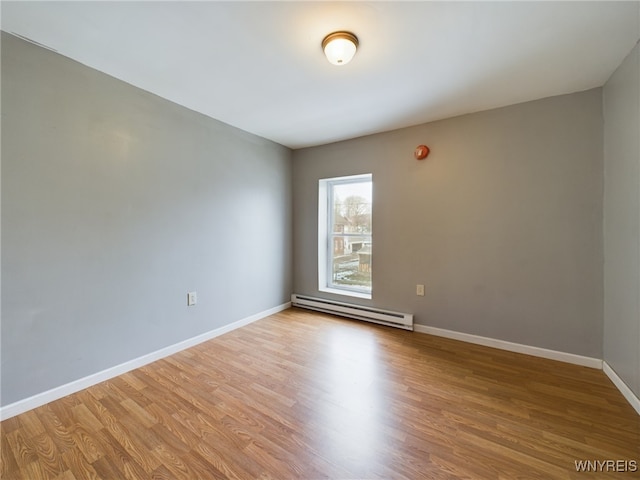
x,y
344,235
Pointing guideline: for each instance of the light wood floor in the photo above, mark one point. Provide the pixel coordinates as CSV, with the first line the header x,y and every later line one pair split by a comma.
x,y
301,395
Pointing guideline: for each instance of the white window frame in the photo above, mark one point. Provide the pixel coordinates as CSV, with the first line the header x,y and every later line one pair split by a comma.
x,y
325,219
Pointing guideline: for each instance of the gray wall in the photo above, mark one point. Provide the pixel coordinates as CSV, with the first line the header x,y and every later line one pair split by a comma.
x,y
502,222
115,203
622,221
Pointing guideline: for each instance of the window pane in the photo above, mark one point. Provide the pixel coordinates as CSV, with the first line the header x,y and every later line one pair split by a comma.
x,y
345,235
352,208
351,262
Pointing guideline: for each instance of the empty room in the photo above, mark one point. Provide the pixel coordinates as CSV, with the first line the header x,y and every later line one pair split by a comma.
x,y
305,240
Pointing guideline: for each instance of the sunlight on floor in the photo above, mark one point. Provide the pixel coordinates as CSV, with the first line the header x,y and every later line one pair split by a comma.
x,y
353,404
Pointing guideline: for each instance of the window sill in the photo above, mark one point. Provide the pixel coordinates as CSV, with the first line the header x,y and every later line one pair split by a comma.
x,y
347,293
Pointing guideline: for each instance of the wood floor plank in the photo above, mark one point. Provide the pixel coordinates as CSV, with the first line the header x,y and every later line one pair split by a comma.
x,y
107,469
53,426
34,470
87,443
31,424
139,413
220,462
23,451
117,454
79,466
303,395
48,455
8,465
66,475
202,468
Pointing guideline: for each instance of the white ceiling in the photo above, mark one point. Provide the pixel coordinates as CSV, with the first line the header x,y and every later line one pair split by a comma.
x,y
259,65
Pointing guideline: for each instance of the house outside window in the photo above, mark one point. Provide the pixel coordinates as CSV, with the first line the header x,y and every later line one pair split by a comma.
x,y
345,235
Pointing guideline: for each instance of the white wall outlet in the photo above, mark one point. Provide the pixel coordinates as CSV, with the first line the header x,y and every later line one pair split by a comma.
x,y
420,290
192,299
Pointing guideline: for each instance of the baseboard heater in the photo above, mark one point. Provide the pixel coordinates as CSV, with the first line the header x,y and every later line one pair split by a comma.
x,y
358,312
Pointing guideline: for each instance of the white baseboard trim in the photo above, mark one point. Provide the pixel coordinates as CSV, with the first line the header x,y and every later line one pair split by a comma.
x,y
56,393
512,347
620,385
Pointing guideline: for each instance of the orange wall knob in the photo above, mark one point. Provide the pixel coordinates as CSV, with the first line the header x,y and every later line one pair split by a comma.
x,y
421,152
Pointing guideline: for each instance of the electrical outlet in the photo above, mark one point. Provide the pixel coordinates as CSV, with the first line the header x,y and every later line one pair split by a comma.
x,y
420,290
192,299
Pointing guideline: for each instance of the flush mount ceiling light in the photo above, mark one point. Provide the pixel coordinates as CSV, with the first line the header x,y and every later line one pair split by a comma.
x,y
340,47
